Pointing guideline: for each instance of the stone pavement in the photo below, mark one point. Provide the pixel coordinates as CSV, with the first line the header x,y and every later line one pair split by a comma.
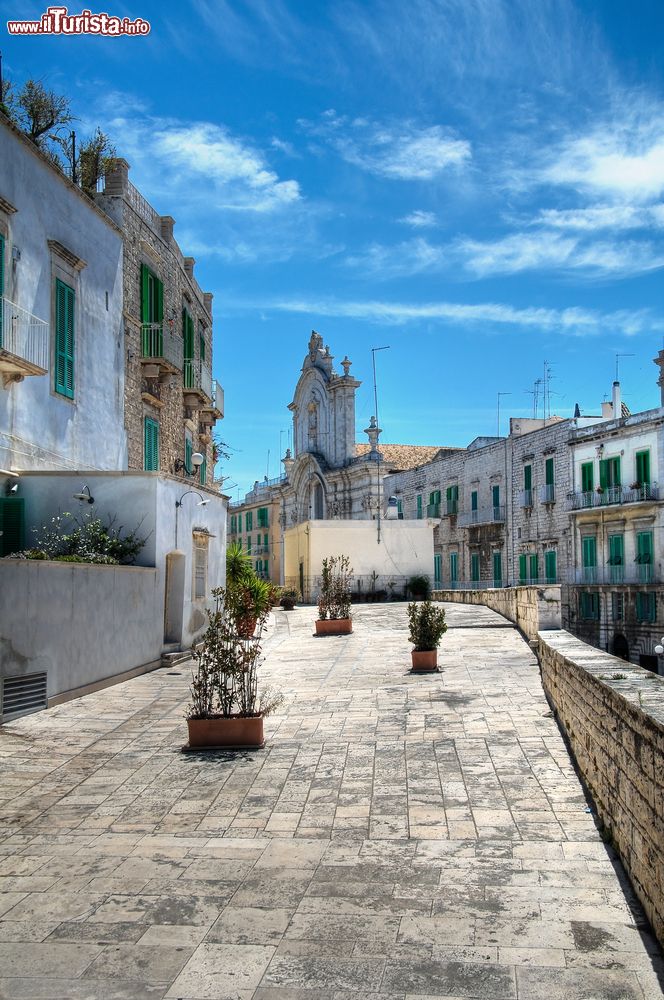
x,y
401,837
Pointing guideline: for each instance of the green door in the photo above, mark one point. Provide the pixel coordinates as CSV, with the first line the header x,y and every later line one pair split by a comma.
x,y
616,558
475,567
523,569
152,314
533,567
495,495
587,477
12,525
644,556
550,567
589,551
642,466
454,569
497,569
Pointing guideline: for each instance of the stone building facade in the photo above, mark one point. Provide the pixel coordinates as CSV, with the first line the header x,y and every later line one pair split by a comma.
x,y
171,401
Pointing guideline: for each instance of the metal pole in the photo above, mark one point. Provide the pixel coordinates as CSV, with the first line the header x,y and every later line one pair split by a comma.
x,y
373,361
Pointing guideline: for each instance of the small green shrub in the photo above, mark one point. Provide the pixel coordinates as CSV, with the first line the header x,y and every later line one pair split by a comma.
x,y
84,539
419,586
427,625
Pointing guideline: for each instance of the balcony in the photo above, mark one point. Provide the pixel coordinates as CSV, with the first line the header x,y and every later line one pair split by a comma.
x,y
487,515
196,384
433,510
161,352
612,495
260,550
526,498
547,494
214,410
636,573
24,343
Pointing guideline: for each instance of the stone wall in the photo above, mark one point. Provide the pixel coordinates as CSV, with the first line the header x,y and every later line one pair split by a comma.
x,y
530,608
613,715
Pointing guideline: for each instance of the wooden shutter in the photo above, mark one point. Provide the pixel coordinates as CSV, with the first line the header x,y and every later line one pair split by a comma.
x,y
527,477
436,569
64,339
453,567
534,570
495,494
497,569
473,500
642,466
587,477
151,445
12,525
603,473
589,551
523,574
188,452
550,569
616,550
644,547
548,472
419,506
475,567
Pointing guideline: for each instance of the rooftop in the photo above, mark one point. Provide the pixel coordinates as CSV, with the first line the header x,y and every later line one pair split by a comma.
x,y
404,456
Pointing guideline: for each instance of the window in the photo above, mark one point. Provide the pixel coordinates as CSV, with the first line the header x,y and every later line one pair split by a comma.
x,y
497,569
152,314
437,574
452,499
454,568
523,569
399,508
550,567
239,523
200,566
495,497
64,339
644,556
527,477
589,605
616,558
642,466
646,607
249,520
609,472
12,525
188,350
233,524
433,510
262,517
201,341
150,445
617,607
587,477
533,567
418,500
589,556
549,472
188,452
203,472
473,500
249,544
475,567
549,491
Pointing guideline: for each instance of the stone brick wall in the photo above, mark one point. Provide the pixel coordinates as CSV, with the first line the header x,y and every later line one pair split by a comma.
x,y
613,715
148,239
530,608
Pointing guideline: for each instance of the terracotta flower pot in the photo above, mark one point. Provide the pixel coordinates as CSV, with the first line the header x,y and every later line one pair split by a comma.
x,y
334,626
226,733
246,626
424,659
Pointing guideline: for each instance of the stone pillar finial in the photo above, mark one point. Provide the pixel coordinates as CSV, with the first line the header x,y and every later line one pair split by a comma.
x,y
345,364
207,301
167,222
373,431
189,266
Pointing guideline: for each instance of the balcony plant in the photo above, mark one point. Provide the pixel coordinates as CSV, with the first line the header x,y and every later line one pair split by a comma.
x,y
289,599
427,627
226,710
334,616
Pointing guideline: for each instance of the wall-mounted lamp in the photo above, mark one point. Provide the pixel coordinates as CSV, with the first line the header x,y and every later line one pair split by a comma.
x,y
84,496
202,502
16,254
10,488
197,460
600,450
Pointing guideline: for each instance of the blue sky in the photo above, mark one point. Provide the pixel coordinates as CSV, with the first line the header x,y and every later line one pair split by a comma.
x,y
476,183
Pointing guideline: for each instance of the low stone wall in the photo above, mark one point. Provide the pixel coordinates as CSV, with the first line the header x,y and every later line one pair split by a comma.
x,y
613,715
530,608
79,623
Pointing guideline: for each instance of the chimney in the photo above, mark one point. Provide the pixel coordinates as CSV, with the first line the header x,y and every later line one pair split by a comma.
x,y
659,361
117,178
189,266
167,223
617,408
207,301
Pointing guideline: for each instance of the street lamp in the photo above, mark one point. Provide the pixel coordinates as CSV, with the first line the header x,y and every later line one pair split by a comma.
x,y
178,503
659,648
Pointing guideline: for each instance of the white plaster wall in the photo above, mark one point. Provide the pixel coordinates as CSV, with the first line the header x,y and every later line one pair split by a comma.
x,y
79,623
625,447
38,428
405,549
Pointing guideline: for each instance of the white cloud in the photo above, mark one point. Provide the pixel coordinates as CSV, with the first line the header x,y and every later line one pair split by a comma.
x,y
402,152
420,219
572,321
407,258
616,217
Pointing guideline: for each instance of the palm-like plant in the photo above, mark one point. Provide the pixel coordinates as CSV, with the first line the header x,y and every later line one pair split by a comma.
x,y
238,565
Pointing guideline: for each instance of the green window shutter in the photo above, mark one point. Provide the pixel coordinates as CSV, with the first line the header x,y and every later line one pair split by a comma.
x,y
399,507
642,466
550,568
589,551
248,542
475,567
646,606
644,547
523,572
548,472
587,477
497,569
603,473
613,466
473,500
616,550
239,523
454,567
64,339
495,495
12,525
201,347
188,452
419,506
527,477
266,541
437,573
534,569
146,311
203,472
249,519
233,523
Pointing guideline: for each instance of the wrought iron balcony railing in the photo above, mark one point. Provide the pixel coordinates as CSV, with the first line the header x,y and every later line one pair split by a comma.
x,y
547,494
526,498
433,510
487,515
610,495
159,344
24,337
196,378
636,573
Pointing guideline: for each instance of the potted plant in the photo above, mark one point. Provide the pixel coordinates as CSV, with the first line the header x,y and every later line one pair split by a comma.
x,y
427,627
249,601
238,565
419,587
334,616
226,710
289,599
